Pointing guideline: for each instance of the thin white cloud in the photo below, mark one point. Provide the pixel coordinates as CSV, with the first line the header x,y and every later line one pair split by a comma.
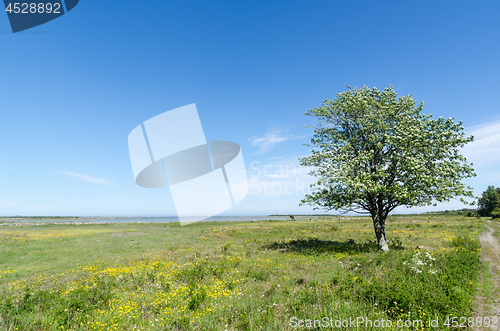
x,y
86,178
485,149
5,203
272,137
42,206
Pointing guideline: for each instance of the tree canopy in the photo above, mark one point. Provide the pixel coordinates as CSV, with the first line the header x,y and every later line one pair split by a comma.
x,y
374,151
489,203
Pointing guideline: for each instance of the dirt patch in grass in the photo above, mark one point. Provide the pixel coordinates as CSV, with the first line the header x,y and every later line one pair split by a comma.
x,y
488,302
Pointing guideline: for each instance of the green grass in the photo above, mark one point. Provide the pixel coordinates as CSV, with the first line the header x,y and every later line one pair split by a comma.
x,y
235,275
487,286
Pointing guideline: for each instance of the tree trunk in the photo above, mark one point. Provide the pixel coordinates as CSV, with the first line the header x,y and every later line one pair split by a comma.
x,y
379,226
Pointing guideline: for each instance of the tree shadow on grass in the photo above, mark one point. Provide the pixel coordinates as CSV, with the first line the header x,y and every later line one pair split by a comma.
x,y
315,246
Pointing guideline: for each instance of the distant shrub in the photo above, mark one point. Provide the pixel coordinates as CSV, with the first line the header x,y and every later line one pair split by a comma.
x,y
489,203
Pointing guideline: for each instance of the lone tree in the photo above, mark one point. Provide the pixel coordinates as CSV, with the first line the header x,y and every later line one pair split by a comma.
x,y
376,151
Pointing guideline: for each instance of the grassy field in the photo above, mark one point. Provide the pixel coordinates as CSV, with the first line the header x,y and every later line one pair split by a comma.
x,y
261,275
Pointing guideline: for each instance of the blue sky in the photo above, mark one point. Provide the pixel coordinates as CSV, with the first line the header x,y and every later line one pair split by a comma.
x,y
73,89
